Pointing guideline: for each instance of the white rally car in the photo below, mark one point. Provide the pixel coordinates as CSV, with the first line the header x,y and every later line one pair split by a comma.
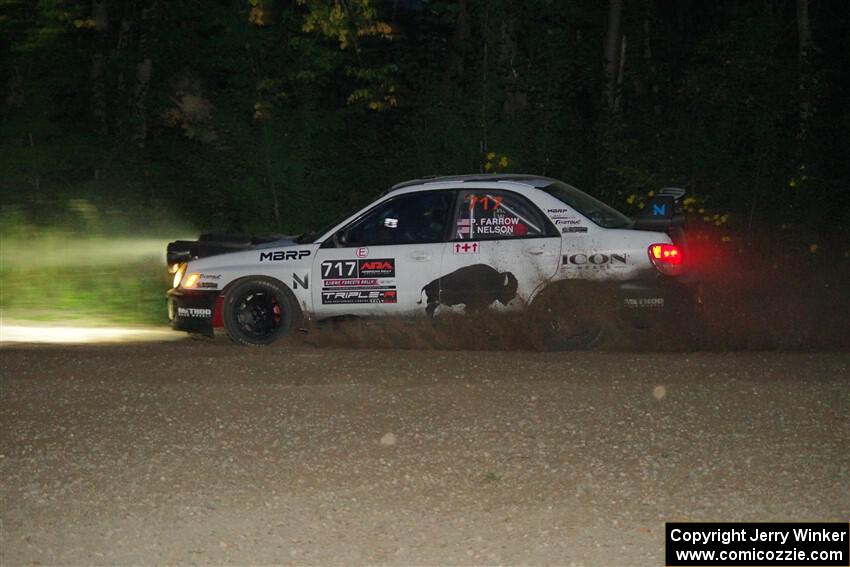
x,y
459,244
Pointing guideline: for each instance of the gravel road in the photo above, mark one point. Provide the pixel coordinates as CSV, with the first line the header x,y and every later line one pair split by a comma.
x,y
202,452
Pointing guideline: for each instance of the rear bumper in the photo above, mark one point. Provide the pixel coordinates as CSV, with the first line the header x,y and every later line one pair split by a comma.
x,y
192,311
670,296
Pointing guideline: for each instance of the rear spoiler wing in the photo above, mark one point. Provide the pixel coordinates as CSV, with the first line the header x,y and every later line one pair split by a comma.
x,y
663,212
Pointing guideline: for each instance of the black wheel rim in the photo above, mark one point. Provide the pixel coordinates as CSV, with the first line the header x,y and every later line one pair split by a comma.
x,y
571,328
258,314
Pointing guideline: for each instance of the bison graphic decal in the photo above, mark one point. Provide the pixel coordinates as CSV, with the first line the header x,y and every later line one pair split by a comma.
x,y
476,287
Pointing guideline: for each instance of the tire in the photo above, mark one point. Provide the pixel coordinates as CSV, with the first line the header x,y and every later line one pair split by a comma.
x,y
259,311
570,318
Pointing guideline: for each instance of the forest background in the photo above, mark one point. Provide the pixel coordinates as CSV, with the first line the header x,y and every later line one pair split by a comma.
x,y
127,123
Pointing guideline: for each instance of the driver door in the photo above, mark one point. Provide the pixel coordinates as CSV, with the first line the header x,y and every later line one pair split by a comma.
x,y
379,263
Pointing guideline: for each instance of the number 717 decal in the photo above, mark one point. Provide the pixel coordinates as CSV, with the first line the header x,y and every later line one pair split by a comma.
x,y
484,201
378,268
339,269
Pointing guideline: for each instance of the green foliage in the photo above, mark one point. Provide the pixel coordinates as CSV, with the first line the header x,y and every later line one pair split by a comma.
x,y
270,116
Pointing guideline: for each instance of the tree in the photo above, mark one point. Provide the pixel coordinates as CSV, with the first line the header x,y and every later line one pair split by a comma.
x,y
804,34
615,47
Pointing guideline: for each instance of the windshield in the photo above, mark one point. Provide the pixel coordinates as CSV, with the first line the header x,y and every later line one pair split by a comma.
x,y
594,209
310,236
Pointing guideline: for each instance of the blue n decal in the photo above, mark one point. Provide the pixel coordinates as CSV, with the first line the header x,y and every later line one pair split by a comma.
x,y
659,210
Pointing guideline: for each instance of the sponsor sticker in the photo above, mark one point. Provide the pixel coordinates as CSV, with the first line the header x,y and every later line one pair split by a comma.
x,y
283,255
595,261
355,269
209,285
194,312
349,296
384,268
643,302
572,229
362,252
352,282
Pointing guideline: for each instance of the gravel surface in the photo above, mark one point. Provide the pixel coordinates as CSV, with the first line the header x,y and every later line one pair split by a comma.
x,y
203,452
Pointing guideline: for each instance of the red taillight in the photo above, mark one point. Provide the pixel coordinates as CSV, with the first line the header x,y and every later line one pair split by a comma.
x,y
667,258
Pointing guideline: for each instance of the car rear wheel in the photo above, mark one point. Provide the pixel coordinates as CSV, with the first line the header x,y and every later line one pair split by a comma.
x,y
258,311
570,319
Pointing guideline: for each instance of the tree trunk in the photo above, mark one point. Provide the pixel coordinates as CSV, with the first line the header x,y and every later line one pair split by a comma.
x,y
143,78
483,144
805,77
613,50
515,99
140,95
647,85
100,15
457,52
618,93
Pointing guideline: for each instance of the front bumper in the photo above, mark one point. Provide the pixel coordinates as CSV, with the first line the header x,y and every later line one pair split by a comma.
x,y
193,311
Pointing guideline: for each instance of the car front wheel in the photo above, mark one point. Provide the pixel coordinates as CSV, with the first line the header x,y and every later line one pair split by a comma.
x,y
258,311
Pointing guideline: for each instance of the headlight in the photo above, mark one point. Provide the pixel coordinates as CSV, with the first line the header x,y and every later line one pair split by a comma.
x,y
191,280
178,275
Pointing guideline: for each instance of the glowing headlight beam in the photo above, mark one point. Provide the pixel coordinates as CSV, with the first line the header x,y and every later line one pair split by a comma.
x,y
48,334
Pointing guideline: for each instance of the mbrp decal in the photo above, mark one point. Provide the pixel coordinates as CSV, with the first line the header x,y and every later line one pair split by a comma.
x,y
558,211
475,287
595,261
348,296
278,255
194,312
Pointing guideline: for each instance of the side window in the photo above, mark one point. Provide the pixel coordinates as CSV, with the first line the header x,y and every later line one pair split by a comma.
x,y
415,218
497,215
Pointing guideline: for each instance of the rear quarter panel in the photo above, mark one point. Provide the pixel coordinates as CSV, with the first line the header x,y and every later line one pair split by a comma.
x,y
605,254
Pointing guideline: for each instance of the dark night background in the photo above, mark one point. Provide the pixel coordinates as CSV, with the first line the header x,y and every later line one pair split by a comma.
x,y
126,119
